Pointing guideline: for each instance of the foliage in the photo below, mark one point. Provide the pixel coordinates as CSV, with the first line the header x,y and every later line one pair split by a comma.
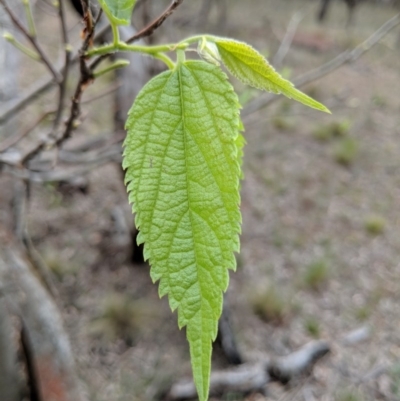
x,y
182,157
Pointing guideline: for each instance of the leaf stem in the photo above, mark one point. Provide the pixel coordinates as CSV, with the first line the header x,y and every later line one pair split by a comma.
x,y
122,46
163,57
111,67
181,56
115,33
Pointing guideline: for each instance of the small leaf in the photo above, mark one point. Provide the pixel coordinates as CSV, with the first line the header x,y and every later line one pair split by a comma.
x,y
208,51
250,67
181,157
118,11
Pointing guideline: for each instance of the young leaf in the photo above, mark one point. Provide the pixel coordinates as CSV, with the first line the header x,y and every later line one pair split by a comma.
x,y
182,173
118,11
250,67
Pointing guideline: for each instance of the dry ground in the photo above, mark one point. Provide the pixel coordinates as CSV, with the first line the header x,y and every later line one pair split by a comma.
x,y
321,227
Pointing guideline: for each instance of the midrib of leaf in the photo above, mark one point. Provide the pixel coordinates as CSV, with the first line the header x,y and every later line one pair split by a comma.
x,y
201,384
225,150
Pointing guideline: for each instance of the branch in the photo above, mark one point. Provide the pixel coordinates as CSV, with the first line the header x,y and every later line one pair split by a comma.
x,y
254,377
332,65
65,174
299,362
146,31
12,140
86,75
32,39
67,62
40,87
149,29
287,39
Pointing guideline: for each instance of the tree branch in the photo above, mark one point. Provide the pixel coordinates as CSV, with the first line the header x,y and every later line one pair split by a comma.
x,y
32,39
145,32
67,62
40,87
346,57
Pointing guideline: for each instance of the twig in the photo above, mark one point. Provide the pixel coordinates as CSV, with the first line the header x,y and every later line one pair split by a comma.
x,y
254,377
288,38
298,362
149,29
63,174
67,61
332,65
86,77
107,92
12,140
35,150
146,31
32,39
40,87
17,105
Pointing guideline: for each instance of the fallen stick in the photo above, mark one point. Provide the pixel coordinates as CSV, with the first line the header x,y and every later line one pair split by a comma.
x,y
255,376
299,362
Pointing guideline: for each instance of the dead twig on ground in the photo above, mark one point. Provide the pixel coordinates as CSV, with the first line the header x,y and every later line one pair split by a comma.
x,y
254,377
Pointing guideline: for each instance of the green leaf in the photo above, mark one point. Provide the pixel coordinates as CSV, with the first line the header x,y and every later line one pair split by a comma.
x,y
250,67
118,11
182,172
